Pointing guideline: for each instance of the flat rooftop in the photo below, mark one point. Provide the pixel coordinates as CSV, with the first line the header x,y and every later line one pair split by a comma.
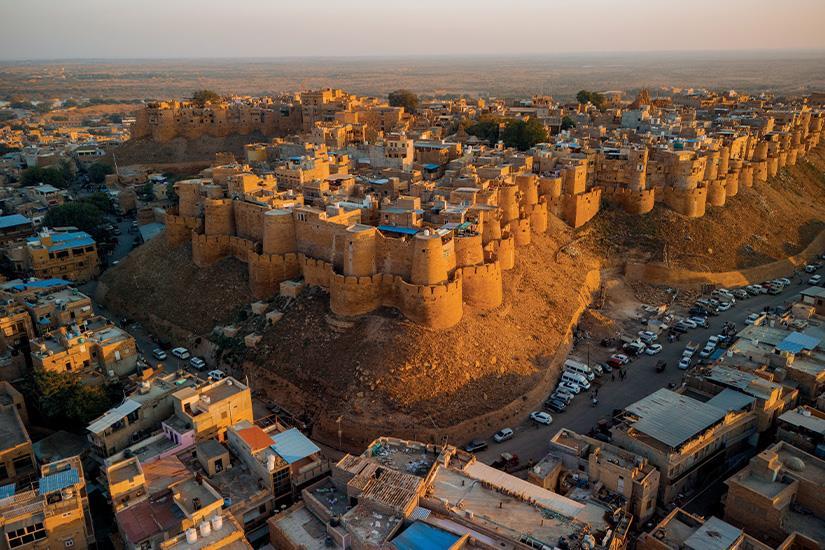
x,y
12,431
404,456
369,525
514,517
302,528
331,498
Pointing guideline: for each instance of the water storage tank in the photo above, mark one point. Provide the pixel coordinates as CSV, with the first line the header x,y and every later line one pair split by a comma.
x,y
205,528
191,536
217,522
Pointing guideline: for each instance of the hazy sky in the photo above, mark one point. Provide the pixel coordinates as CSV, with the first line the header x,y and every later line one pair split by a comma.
x,y
59,29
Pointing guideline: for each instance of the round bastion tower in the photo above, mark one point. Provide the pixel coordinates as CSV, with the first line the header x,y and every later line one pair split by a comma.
x,y
637,159
508,201
428,264
219,217
359,251
279,232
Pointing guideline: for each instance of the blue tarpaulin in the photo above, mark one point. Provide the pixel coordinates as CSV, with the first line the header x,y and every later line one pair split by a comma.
x,y
795,342
58,481
394,229
422,536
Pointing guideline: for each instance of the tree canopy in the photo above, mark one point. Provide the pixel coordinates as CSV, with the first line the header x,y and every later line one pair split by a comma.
x,y
202,97
404,98
63,399
567,123
83,215
50,175
524,134
486,128
98,172
584,96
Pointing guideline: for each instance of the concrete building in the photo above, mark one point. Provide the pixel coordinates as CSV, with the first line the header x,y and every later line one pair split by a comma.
x,y
777,494
404,494
52,514
687,440
66,254
579,465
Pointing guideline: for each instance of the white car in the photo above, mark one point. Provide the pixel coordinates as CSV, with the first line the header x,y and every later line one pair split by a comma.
x,y
689,323
707,351
197,363
684,363
216,374
647,336
815,280
653,349
723,306
784,280
159,354
621,358
754,318
700,321
503,435
181,353
541,417
568,387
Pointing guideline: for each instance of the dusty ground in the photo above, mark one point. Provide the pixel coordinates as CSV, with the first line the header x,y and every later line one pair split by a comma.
x,y
155,279
181,150
759,225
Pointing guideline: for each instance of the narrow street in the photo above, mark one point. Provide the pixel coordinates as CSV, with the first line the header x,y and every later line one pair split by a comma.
x,y
530,441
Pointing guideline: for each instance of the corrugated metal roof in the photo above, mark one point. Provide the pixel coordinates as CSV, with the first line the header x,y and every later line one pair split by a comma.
x,y
731,400
673,418
292,445
13,220
58,481
113,415
395,229
714,534
796,418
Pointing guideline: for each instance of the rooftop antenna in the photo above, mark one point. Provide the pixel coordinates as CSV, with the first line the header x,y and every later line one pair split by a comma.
x,y
114,160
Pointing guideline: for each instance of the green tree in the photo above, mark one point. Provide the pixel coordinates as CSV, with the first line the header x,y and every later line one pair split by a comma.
x,y
101,201
148,191
404,98
584,97
83,215
486,128
202,97
98,172
524,134
49,175
62,398
567,123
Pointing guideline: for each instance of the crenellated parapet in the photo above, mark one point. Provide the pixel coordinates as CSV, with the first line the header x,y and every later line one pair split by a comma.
x,y
179,229
688,202
267,271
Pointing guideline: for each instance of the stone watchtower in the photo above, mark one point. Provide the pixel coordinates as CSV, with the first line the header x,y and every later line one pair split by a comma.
x,y
428,263
279,232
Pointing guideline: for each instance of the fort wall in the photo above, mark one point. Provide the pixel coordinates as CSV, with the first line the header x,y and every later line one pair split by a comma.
x,y
436,306
521,231
688,202
352,296
268,271
717,194
468,250
482,285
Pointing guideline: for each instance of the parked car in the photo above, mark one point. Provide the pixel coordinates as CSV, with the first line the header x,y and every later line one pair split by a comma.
x,y
654,349
707,351
475,445
691,348
197,363
569,387
755,319
555,405
741,293
648,337
606,367
181,353
503,435
724,306
621,358
159,354
634,348
785,281
597,369
689,323
541,417
810,268
700,321
561,395
815,280
216,374
684,363
680,327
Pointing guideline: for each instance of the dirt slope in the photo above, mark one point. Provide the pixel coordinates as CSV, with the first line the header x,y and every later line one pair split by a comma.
x,y
759,225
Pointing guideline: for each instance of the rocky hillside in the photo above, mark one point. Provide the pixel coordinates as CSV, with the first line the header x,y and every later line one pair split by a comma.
x,y
759,225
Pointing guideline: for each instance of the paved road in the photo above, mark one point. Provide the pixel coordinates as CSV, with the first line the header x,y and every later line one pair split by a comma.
x,y
531,440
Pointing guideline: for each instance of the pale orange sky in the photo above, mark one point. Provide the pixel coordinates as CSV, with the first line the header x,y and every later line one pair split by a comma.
x,y
59,29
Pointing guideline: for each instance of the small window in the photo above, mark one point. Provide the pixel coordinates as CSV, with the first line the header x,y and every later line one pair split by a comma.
x,y
68,543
